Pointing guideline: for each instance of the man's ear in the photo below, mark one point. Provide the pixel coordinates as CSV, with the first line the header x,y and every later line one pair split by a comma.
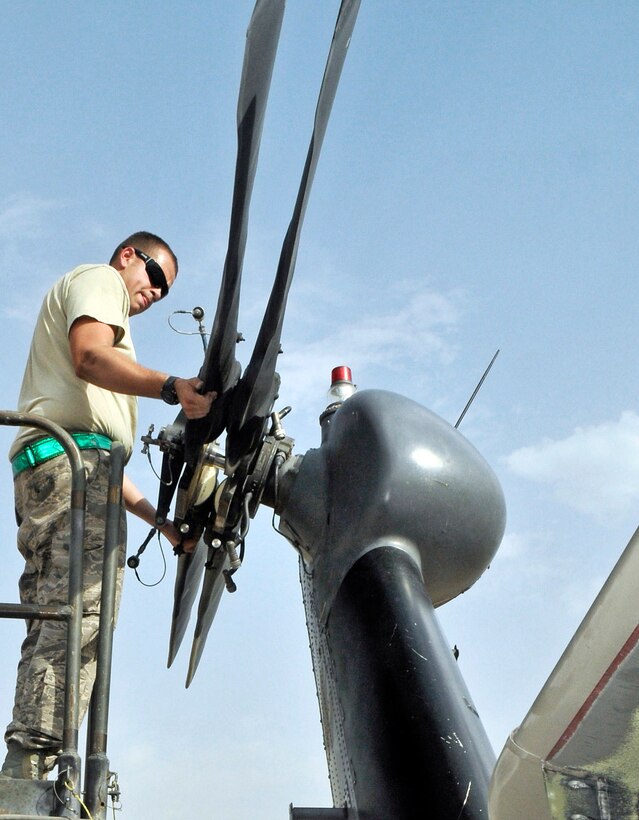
x,y
125,256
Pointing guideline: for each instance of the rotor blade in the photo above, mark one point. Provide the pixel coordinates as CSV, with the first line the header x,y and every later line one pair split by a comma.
x,y
255,393
212,590
187,582
261,44
221,370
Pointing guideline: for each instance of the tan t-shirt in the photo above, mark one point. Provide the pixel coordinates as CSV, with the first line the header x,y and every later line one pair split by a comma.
x,y
50,387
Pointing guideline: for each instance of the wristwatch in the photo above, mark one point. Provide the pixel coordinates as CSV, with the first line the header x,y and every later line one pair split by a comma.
x,y
168,392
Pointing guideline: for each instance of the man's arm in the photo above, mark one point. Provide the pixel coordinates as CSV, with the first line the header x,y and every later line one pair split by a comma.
x,y
96,360
136,503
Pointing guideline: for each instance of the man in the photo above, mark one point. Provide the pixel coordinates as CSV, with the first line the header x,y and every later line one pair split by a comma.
x,y
82,374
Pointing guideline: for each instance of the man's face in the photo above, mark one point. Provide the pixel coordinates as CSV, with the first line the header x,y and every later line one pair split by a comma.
x,y
142,291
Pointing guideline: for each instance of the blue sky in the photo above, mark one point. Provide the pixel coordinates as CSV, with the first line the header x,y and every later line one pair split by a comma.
x,y
478,189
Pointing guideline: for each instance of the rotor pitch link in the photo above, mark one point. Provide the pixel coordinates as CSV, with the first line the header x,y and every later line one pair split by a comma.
x,y
277,430
171,443
239,496
196,492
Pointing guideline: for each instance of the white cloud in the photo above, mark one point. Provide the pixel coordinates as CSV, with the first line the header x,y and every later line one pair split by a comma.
x,y
516,545
21,216
594,470
420,330
25,232
523,558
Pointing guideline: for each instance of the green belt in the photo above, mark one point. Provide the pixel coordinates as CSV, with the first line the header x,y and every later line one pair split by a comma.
x,y
44,449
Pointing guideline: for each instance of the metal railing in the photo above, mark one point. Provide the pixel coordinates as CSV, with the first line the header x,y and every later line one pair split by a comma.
x,y
67,788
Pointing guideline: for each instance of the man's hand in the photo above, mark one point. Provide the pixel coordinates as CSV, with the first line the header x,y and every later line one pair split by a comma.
x,y
196,405
172,534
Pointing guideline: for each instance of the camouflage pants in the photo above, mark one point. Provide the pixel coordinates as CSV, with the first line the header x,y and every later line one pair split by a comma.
x,y
42,497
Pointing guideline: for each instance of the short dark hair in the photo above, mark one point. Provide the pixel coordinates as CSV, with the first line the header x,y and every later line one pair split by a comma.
x,y
147,242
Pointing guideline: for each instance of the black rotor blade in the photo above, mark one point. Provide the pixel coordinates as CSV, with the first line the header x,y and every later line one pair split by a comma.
x,y
212,590
255,392
221,369
188,576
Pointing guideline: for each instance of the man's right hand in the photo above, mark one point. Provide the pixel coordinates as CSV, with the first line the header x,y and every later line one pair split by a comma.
x,y
196,405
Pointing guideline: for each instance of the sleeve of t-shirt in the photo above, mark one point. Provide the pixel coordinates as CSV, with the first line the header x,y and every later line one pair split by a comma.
x,y
98,292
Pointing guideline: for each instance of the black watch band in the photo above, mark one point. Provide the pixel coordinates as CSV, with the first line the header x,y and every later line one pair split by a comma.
x,y
168,392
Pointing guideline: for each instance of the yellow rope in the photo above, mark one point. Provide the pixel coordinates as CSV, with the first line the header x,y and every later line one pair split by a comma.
x,y
69,786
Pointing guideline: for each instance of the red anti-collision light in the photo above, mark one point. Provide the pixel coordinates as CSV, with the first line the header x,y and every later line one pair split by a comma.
x,y
342,386
341,374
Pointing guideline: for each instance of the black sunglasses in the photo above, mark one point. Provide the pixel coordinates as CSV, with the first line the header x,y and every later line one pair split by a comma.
x,y
154,272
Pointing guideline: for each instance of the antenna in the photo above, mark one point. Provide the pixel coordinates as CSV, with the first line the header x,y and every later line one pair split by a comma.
x,y
476,390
